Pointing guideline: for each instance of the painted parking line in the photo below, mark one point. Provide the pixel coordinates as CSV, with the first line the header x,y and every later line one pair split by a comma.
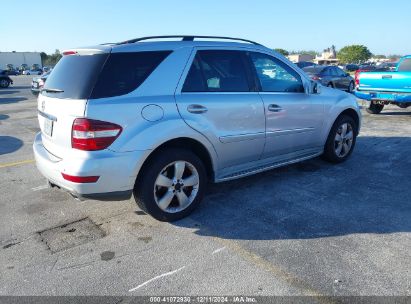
x,y
23,162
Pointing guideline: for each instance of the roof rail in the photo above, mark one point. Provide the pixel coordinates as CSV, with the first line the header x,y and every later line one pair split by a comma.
x,y
184,38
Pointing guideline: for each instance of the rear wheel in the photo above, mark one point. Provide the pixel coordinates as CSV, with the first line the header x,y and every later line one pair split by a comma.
x,y
4,83
374,108
330,85
341,139
171,184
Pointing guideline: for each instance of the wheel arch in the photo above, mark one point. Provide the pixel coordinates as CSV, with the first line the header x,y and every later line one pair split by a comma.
x,y
184,143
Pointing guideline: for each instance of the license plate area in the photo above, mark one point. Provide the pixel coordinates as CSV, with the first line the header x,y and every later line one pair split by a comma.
x,y
48,127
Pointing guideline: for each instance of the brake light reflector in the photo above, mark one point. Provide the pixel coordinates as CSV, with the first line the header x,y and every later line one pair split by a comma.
x,y
92,135
80,179
65,53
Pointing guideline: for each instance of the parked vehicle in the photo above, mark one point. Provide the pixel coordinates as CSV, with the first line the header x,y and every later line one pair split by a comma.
x,y
331,76
38,83
387,66
160,119
383,88
12,72
304,64
351,67
5,80
33,72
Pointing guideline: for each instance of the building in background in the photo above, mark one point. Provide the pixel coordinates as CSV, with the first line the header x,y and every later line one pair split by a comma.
x,y
328,57
19,58
300,57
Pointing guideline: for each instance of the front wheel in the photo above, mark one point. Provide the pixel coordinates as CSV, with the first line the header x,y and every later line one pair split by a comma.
x,y
351,87
341,139
374,108
4,83
171,185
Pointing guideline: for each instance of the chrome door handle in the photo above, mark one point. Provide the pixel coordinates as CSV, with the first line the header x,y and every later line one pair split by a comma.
x,y
274,108
196,109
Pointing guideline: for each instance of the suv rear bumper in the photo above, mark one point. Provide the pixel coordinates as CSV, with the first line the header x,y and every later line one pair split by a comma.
x,y
384,96
117,172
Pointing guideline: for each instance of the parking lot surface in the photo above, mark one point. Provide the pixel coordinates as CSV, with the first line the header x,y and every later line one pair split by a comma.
x,y
308,229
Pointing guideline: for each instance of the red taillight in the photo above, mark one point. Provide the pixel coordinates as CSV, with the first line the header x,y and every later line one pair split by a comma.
x,y
357,77
92,135
80,179
65,53
315,78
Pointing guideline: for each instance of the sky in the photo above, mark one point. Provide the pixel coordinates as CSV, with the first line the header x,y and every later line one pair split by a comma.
x,y
383,26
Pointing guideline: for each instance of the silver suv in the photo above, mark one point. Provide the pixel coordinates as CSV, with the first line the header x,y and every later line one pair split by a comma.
x,y
160,119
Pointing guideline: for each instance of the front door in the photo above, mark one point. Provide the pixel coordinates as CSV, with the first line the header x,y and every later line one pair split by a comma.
x,y
293,117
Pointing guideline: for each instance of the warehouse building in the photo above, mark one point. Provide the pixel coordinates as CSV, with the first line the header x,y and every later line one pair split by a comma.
x,y
19,58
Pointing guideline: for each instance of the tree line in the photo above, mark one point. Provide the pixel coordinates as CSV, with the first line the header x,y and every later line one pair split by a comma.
x,y
355,53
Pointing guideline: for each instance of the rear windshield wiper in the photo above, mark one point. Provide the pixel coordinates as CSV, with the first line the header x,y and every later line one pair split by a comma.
x,y
48,90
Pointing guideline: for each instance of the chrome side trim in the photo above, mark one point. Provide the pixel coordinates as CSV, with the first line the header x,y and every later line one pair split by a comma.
x,y
48,116
241,137
287,132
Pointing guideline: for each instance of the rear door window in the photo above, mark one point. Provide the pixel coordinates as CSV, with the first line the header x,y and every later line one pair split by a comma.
x,y
217,71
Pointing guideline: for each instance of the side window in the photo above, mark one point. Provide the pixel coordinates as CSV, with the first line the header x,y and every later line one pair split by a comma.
x,y
124,72
217,71
326,72
276,76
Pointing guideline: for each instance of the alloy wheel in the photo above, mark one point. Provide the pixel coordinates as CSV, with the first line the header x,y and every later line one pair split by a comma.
x,y
176,186
343,139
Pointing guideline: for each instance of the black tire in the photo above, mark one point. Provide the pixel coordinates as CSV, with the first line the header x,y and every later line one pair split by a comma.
x,y
330,85
4,83
375,108
351,87
329,148
145,184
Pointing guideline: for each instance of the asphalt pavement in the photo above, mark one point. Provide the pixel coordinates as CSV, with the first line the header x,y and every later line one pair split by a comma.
x,y
308,229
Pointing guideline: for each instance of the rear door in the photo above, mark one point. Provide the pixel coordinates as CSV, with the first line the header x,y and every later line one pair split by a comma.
x,y
64,98
217,99
293,117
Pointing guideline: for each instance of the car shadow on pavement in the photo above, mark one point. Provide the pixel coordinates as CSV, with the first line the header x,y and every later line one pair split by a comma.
x,y
11,100
369,193
8,92
9,144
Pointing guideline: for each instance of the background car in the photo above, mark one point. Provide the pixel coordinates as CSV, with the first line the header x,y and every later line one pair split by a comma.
x,y
5,80
351,67
38,83
331,76
304,64
33,72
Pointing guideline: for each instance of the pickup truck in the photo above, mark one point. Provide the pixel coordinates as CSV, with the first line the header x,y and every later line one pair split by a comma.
x,y
383,88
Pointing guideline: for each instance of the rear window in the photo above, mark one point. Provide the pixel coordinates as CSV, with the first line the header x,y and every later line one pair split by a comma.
x,y
75,76
101,75
405,65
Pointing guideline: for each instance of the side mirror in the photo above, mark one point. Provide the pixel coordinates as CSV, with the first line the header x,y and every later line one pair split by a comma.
x,y
315,87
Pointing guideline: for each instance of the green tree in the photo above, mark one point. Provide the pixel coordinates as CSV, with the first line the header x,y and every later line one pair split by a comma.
x,y
354,54
44,57
52,59
308,52
282,52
